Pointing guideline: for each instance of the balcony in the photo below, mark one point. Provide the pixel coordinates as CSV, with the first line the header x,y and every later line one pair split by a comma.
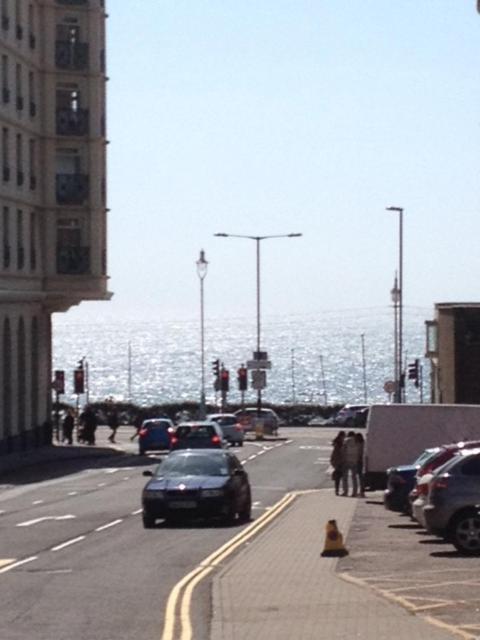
x,y
70,55
72,123
73,260
71,188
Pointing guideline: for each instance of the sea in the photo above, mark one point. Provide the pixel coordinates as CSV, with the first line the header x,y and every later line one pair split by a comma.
x,y
326,358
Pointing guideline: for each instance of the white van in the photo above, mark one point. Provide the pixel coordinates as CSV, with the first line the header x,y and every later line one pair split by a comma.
x,y
398,433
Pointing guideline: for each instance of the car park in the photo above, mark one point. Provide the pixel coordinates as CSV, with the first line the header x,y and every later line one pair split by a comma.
x,y
197,483
198,435
155,434
232,429
453,507
269,419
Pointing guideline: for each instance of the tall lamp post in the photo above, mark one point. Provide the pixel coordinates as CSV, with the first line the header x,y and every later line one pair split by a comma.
x,y
258,239
399,390
202,266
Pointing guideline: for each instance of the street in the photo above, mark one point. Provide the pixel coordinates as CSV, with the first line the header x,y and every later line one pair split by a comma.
x,y
75,562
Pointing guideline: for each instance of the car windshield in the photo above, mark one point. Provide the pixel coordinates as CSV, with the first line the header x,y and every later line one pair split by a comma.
x,y
425,457
226,421
195,431
192,465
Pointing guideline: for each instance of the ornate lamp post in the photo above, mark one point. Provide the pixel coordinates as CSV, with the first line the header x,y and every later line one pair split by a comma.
x,y
399,210
202,266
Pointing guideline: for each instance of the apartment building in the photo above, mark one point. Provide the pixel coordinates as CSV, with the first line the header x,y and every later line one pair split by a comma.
x,y
52,194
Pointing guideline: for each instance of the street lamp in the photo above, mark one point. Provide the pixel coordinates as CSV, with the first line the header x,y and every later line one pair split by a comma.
x,y
399,390
202,266
395,296
258,239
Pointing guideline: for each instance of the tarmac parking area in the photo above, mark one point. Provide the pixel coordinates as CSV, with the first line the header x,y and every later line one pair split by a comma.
x,y
393,555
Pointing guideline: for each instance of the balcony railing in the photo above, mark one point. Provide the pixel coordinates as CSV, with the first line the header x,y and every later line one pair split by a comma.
x,y
73,260
70,55
72,188
72,123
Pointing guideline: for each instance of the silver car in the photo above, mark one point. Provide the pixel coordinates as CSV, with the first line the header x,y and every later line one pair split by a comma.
x,y
232,429
453,507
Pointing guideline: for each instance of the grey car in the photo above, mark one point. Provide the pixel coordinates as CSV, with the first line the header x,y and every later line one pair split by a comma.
x,y
453,507
232,429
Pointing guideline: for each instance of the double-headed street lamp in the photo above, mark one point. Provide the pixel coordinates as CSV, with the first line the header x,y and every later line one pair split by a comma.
x,y
258,239
202,266
399,293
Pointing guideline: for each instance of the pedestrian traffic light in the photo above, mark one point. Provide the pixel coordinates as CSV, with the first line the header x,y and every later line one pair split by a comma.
x,y
224,380
413,371
78,381
242,379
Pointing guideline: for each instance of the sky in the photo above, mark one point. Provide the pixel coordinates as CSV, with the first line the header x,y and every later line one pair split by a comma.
x,y
265,117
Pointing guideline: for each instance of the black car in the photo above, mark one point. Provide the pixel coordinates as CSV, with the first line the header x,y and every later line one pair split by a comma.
x,y
197,482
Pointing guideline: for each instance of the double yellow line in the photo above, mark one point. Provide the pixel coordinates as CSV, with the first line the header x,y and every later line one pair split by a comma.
x,y
177,610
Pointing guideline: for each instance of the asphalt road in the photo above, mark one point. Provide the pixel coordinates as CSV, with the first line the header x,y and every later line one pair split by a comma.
x,y
83,566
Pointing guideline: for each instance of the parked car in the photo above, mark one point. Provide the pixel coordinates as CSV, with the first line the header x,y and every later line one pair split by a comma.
x,y
231,427
453,507
270,419
198,435
203,482
401,480
347,416
155,434
419,493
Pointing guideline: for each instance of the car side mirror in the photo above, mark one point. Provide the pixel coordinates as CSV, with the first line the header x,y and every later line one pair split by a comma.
x,y
148,473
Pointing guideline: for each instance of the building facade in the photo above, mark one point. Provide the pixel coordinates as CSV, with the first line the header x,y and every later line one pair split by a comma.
x,y
453,347
52,194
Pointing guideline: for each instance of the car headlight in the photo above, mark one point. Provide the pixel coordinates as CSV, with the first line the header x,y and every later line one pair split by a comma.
x,y
153,493
212,493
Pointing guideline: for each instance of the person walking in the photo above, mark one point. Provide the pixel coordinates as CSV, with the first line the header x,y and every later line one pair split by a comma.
x,y
336,459
360,440
113,423
350,463
89,422
68,426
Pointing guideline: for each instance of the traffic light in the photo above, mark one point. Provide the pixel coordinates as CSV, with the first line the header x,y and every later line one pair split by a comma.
x,y
78,381
413,371
242,379
216,368
59,382
224,380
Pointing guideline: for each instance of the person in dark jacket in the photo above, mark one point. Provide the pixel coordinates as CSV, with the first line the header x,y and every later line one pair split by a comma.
x,y
113,423
350,456
336,459
67,427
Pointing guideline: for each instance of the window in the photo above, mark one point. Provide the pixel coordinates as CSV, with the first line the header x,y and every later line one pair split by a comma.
x,y
471,467
33,241
32,163
5,15
5,154
5,81
31,93
18,20
6,237
19,147
18,84
20,243
31,26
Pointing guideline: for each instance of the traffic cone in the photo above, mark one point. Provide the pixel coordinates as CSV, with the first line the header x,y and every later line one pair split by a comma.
x,y
333,541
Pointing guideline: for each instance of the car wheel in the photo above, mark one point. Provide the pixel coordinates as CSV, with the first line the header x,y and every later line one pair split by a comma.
x,y
465,533
148,521
245,514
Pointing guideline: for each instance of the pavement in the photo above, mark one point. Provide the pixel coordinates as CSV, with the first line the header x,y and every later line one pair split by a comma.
x,y
281,587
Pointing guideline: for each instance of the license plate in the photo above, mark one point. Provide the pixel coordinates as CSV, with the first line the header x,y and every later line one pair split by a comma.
x,y
182,504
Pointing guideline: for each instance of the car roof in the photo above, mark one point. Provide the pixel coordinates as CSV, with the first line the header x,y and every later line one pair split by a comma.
x,y
202,452
211,416
196,423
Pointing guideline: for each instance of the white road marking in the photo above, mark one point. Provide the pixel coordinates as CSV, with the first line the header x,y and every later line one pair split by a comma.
x,y
108,525
37,502
256,504
102,484
260,453
252,457
72,493
17,564
135,513
2,511
127,478
29,523
59,547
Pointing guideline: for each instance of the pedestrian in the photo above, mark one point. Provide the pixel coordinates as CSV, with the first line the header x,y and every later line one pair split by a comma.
x,y
361,444
113,423
68,426
137,423
336,459
88,420
350,463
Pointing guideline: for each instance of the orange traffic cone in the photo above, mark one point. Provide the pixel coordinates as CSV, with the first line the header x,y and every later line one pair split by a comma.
x,y
333,541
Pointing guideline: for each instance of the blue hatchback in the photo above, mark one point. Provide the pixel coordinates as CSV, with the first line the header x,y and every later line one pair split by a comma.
x,y
155,435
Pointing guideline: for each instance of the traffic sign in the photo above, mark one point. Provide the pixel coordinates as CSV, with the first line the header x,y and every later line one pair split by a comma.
x,y
389,386
259,379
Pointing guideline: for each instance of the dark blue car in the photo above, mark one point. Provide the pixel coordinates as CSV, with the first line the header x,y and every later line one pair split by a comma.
x,y
155,434
401,480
